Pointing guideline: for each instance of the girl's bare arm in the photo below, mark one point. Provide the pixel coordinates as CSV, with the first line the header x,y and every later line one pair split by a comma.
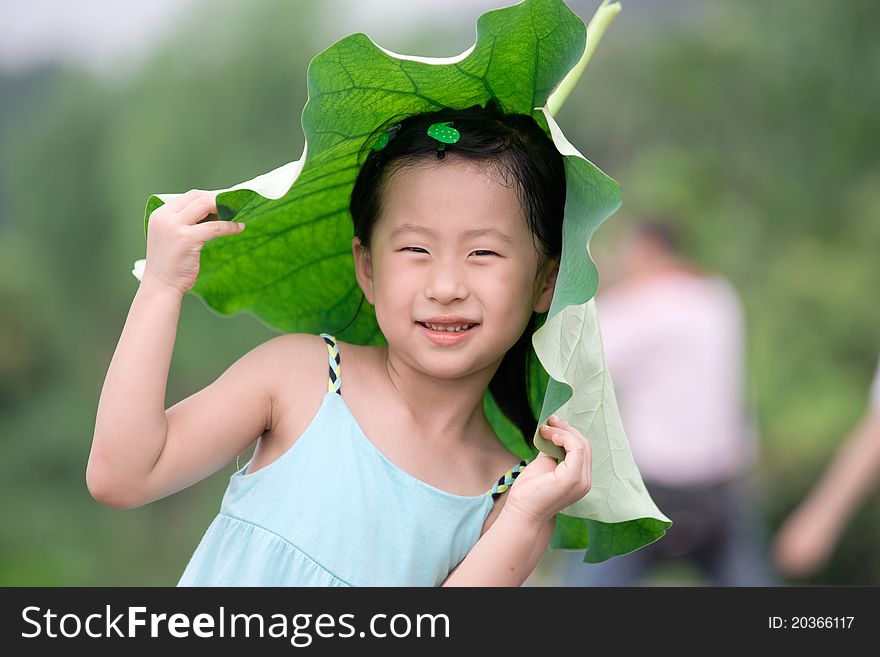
x,y
140,452
507,553
130,426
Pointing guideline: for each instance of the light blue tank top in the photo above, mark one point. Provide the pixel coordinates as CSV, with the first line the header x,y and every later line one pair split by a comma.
x,y
334,511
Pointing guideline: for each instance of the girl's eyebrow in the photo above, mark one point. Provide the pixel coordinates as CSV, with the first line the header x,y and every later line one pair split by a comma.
x,y
402,229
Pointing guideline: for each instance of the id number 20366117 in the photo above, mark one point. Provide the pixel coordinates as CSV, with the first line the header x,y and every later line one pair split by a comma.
x,y
810,622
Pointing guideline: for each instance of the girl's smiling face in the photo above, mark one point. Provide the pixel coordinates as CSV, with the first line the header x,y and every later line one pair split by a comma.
x,y
452,240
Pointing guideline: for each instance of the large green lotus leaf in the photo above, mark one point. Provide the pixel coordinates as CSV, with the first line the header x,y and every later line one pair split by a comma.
x,y
293,269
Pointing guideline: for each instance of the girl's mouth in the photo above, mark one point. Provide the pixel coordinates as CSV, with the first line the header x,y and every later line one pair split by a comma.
x,y
446,335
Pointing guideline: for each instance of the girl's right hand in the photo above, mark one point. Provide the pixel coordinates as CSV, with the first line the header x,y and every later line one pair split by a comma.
x,y
176,233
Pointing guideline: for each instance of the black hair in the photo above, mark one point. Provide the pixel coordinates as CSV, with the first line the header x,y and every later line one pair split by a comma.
x,y
513,145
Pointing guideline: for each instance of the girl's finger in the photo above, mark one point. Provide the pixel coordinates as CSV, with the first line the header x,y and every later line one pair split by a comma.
x,y
575,452
558,422
197,209
180,201
540,465
211,229
548,429
574,447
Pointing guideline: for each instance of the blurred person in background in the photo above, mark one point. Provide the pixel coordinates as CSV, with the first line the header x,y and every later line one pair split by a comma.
x,y
807,537
674,344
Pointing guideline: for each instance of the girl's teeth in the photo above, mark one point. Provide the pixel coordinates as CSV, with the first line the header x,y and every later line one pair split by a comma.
x,y
455,329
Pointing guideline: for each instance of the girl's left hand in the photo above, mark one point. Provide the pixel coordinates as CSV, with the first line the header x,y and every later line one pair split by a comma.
x,y
544,486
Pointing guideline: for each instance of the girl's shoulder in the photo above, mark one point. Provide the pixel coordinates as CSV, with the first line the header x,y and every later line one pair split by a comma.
x,y
298,372
302,372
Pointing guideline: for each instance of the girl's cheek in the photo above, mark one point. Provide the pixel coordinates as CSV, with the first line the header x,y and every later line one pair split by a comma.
x,y
397,287
508,289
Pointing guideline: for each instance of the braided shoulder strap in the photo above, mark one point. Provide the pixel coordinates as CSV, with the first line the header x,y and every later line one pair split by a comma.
x,y
506,480
334,382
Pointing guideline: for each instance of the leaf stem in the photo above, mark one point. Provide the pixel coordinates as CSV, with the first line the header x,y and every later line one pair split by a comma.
x,y
595,29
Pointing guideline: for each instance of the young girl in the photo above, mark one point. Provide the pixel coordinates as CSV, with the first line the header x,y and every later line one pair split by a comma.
x,y
375,466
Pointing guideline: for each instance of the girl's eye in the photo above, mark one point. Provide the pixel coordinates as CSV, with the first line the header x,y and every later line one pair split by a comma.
x,y
418,249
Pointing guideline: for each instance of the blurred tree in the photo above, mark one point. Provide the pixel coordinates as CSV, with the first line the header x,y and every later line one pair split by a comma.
x,y
753,124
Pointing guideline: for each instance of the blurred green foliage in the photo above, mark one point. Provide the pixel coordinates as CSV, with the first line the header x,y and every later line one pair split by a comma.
x,y
753,124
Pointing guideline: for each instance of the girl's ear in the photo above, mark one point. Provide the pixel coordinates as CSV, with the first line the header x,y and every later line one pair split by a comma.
x,y
363,268
546,295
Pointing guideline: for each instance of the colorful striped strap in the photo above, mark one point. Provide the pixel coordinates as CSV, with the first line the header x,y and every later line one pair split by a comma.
x,y
506,481
334,382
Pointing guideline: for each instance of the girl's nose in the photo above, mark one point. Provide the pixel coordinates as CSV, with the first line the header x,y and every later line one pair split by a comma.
x,y
446,284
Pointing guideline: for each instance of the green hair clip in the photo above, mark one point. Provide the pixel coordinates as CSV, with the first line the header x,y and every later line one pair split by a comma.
x,y
444,134
386,136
